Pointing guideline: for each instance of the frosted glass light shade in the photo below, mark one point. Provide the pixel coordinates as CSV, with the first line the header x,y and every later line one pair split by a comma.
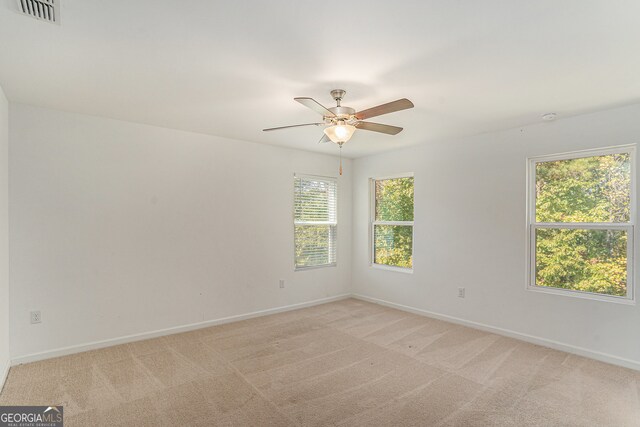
x,y
339,133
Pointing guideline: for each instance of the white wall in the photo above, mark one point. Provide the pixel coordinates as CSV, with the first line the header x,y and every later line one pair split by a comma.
x,y
4,237
470,231
121,228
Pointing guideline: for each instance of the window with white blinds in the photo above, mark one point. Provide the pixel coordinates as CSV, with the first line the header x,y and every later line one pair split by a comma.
x,y
315,221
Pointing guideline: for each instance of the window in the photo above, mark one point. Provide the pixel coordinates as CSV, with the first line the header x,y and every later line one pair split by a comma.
x,y
315,221
392,222
581,223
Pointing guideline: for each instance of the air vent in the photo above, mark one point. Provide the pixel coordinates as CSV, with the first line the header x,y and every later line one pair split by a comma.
x,y
44,10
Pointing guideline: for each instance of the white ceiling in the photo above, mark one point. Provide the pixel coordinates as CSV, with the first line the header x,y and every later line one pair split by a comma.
x,y
233,68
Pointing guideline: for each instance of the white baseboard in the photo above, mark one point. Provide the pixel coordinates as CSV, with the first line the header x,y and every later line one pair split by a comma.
x,y
4,373
603,357
161,332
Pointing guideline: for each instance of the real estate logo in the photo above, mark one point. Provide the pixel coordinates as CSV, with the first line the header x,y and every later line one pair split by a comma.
x,y
31,416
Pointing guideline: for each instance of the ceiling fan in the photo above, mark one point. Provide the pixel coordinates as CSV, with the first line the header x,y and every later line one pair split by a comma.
x,y
341,122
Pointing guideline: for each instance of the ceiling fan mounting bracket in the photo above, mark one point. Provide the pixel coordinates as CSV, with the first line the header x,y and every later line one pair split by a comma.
x,y
338,94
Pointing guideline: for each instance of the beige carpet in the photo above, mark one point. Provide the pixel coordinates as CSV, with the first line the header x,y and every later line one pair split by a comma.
x,y
346,363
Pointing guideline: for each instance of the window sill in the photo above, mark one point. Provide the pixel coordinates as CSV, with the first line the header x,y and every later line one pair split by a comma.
x,y
583,295
315,267
391,268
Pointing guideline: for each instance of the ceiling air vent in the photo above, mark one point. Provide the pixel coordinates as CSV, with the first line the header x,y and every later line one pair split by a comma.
x,y
44,10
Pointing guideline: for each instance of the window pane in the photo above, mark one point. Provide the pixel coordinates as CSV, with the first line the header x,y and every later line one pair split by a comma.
x,y
582,260
393,245
315,245
588,189
315,200
394,199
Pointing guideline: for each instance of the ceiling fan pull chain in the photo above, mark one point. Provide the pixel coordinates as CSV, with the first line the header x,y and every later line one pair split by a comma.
x,y
340,159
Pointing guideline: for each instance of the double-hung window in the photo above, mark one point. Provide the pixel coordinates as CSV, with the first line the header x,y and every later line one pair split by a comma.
x,y
315,221
581,223
392,223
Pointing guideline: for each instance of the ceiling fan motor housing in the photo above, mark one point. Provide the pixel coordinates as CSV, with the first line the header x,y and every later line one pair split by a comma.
x,y
341,114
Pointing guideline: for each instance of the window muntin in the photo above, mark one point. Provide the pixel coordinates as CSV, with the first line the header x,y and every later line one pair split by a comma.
x,y
315,221
392,222
582,223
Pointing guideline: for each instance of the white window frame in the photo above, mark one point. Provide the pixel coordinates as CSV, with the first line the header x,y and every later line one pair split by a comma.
x,y
629,227
373,223
333,223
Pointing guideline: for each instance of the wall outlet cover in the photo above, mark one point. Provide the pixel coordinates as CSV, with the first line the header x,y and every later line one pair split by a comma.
x,y
36,317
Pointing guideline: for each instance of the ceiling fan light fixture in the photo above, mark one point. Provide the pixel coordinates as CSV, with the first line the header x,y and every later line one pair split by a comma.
x,y
340,133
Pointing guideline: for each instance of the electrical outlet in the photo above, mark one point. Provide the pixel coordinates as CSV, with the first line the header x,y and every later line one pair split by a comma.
x,y
36,317
281,284
460,292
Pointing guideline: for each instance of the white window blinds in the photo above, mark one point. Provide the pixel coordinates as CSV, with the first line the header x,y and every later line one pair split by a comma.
x,y
315,221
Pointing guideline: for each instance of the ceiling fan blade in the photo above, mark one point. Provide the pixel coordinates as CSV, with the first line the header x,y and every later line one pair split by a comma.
x,y
292,126
315,106
324,139
390,107
377,127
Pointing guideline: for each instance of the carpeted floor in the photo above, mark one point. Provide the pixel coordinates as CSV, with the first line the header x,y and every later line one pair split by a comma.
x,y
345,363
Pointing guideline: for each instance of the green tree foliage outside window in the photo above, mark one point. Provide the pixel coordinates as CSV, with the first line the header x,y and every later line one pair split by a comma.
x,y
393,243
583,190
